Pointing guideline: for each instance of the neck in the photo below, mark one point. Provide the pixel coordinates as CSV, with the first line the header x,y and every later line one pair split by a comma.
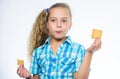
x,y
57,41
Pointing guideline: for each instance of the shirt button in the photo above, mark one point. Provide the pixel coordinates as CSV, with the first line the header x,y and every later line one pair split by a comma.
x,y
53,71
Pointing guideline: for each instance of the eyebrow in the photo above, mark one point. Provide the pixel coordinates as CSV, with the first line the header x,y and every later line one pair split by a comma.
x,y
61,18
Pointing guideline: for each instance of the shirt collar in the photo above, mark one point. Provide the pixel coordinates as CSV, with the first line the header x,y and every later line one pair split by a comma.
x,y
48,40
68,40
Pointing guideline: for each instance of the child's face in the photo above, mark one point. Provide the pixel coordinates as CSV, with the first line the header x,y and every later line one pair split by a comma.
x,y
59,22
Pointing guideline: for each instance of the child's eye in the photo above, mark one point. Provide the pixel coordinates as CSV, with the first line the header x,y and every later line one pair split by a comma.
x,y
52,20
64,20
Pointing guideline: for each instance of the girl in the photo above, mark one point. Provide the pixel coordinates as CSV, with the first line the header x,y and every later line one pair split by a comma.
x,y
55,55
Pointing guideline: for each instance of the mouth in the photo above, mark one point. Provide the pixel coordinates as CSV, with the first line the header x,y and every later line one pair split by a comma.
x,y
58,32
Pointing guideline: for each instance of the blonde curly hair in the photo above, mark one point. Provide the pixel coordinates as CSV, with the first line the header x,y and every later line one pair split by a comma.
x,y
39,32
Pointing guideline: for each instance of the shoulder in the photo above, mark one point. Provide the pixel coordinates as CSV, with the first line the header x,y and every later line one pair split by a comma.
x,y
42,47
78,47
38,51
76,44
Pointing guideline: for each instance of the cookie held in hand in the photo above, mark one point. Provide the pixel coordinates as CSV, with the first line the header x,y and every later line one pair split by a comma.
x,y
20,62
96,33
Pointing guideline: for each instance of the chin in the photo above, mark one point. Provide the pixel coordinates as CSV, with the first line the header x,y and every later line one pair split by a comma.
x,y
60,38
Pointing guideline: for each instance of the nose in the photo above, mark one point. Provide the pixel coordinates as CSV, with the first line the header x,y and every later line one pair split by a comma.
x,y
59,24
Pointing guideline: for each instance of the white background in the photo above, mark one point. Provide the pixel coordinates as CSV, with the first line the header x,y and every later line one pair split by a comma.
x,y
18,16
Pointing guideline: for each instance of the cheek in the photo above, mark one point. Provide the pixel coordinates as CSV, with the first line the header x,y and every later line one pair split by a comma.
x,y
51,23
68,28
50,26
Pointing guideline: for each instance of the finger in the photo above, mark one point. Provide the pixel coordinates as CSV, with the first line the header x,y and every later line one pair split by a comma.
x,y
97,42
98,46
22,65
20,69
21,74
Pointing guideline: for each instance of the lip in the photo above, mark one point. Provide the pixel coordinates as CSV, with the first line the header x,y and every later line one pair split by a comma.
x,y
58,32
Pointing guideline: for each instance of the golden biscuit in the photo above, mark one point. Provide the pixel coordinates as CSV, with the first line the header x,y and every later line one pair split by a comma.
x,y
20,62
96,33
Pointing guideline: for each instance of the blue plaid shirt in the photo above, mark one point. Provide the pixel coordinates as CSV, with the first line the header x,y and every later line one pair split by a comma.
x,y
67,60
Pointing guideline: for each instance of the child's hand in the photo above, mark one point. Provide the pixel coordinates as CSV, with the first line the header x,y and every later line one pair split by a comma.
x,y
96,45
23,72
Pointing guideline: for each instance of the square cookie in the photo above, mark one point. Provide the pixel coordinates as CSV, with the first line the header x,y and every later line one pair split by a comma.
x,y
20,62
96,33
